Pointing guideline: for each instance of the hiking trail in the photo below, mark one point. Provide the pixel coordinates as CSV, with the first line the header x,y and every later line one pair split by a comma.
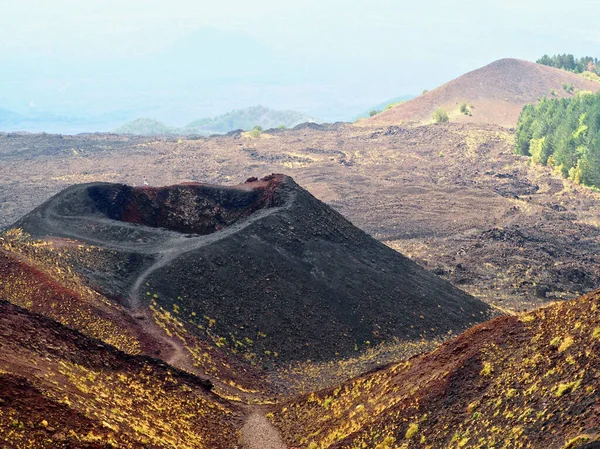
x,y
259,433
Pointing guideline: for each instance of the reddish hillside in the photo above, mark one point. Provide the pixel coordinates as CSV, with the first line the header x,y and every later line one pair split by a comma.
x,y
38,276
61,389
528,381
497,93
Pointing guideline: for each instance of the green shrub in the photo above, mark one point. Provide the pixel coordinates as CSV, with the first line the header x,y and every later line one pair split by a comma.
x,y
255,132
591,76
569,87
555,342
440,116
563,389
464,109
566,343
580,441
387,443
487,369
393,105
373,112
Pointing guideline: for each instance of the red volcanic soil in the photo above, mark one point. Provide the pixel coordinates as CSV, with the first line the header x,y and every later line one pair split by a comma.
x,y
192,208
531,379
81,308
497,93
40,282
61,389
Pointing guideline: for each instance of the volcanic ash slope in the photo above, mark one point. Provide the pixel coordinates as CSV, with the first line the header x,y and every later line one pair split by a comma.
x,y
263,268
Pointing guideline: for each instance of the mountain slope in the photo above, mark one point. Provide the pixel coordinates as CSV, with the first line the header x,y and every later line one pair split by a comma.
x,y
40,276
497,93
383,105
145,127
247,119
244,119
263,270
60,389
528,381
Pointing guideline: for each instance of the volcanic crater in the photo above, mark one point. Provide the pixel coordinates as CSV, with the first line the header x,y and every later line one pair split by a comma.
x,y
263,270
190,208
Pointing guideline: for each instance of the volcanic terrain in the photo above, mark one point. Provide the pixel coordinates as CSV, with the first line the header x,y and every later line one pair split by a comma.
x,y
254,315
528,381
60,389
452,197
263,269
495,94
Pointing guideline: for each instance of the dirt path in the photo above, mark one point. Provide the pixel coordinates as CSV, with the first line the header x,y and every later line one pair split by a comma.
x,y
164,246
177,355
259,433
165,254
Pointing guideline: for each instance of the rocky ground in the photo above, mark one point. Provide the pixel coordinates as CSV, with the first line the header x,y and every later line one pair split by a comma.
x,y
452,197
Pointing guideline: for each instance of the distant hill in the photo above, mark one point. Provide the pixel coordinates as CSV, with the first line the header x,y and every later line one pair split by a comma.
x,y
247,119
8,118
244,119
494,94
146,127
37,121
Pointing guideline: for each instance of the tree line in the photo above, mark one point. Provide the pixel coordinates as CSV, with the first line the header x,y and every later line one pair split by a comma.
x,y
572,64
564,134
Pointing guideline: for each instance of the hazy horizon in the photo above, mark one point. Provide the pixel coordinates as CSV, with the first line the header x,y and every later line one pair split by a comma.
x,y
109,62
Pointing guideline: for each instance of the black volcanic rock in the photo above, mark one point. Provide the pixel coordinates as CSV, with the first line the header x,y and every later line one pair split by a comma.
x,y
263,268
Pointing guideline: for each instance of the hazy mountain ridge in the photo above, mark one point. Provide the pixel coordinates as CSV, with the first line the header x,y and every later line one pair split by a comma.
x,y
72,123
245,119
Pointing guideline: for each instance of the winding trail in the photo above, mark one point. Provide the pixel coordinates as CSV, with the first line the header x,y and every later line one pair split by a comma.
x,y
259,433
163,245
169,250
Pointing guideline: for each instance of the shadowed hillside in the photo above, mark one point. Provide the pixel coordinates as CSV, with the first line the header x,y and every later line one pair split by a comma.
x,y
494,94
40,276
60,389
528,381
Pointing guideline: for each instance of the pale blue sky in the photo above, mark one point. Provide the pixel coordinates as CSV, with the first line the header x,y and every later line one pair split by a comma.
x,y
179,60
